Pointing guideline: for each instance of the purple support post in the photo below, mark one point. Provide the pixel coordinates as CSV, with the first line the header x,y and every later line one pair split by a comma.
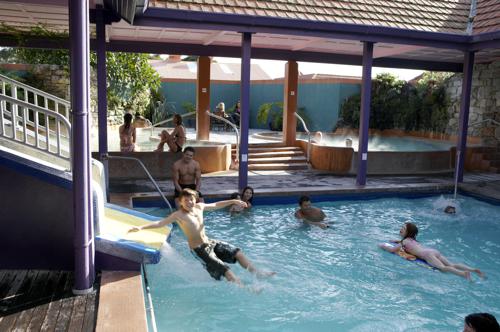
x,y
80,101
246,48
102,102
464,115
364,117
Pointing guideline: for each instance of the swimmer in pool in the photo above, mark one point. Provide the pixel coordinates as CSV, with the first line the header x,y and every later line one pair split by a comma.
x,y
450,209
212,253
409,243
309,214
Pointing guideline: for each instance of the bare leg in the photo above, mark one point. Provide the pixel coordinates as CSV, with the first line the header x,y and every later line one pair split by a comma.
x,y
246,264
434,261
230,276
462,267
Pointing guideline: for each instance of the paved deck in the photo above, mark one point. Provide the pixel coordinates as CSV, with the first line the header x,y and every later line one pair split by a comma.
x,y
222,184
39,300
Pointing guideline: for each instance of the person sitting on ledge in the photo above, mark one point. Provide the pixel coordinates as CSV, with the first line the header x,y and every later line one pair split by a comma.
x,y
186,173
176,139
140,121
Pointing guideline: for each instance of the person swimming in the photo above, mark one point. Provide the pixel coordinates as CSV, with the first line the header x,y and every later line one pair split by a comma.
x,y
450,209
433,257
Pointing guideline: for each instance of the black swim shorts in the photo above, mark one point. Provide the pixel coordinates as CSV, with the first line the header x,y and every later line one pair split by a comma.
x,y
213,255
189,186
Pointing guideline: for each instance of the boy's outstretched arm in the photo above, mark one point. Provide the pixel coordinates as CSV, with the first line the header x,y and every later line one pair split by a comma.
x,y
166,221
222,204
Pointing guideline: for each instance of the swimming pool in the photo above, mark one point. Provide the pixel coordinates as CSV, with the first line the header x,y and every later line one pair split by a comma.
x,y
335,279
386,143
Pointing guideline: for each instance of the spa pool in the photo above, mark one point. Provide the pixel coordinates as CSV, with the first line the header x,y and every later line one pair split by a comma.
x,y
334,279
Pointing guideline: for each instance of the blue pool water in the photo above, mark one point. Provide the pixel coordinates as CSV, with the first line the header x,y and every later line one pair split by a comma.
x,y
335,279
386,143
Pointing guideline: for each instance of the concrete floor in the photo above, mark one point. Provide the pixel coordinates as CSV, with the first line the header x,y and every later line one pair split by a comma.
x,y
222,184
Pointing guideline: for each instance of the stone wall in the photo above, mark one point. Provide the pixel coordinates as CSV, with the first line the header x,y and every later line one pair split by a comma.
x,y
484,104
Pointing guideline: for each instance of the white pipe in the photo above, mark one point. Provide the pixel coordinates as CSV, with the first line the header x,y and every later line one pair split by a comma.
x,y
308,134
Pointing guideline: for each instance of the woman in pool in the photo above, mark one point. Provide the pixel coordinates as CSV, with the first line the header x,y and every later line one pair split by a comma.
x,y
410,245
247,196
176,139
127,134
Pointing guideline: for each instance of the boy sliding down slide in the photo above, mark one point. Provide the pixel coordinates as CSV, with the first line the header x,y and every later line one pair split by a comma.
x,y
213,253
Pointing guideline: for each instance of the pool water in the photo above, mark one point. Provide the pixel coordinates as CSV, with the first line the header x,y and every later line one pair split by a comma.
x,y
383,143
335,279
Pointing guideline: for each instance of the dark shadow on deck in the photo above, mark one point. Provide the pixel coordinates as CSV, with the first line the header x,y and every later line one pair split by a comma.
x,y
42,300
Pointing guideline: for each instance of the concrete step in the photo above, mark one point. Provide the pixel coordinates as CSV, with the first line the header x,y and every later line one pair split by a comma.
x,y
274,154
262,145
278,166
253,161
273,149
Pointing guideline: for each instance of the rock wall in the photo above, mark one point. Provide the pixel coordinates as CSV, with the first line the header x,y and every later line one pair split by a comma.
x,y
484,104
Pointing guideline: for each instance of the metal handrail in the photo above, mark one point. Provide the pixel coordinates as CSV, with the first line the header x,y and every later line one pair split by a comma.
x,y
485,120
236,130
34,90
15,85
107,156
170,119
24,122
150,300
308,153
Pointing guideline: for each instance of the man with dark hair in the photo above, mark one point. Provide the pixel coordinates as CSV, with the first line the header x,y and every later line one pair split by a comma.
x,y
212,253
481,322
309,214
186,173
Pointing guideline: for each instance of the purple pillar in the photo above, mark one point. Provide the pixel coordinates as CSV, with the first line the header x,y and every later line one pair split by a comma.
x,y
246,47
102,102
464,115
364,117
80,101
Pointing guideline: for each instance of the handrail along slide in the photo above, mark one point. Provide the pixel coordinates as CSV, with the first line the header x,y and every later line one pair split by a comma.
x,y
147,173
33,117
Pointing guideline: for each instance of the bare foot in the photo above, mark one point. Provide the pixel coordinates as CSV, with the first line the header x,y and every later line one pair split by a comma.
x,y
265,274
480,273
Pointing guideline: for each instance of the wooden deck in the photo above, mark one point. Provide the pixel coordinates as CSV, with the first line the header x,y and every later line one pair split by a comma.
x,y
39,300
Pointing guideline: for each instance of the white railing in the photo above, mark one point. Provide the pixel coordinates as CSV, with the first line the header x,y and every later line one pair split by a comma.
x,y
35,126
35,118
308,153
36,97
236,130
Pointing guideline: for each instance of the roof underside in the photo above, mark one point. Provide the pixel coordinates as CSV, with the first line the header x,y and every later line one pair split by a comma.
x,y
194,37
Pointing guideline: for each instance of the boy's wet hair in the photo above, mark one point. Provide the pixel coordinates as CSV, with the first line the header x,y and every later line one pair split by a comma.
x,y
411,230
188,148
450,209
235,195
186,192
482,322
303,199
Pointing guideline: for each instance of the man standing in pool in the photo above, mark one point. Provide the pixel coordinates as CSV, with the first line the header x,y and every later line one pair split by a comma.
x,y
309,214
186,173
214,254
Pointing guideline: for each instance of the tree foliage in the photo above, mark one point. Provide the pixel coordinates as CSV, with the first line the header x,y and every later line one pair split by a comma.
x,y
131,81
401,105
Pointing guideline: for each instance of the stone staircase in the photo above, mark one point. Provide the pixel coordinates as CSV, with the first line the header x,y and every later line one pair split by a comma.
x,y
274,157
488,159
